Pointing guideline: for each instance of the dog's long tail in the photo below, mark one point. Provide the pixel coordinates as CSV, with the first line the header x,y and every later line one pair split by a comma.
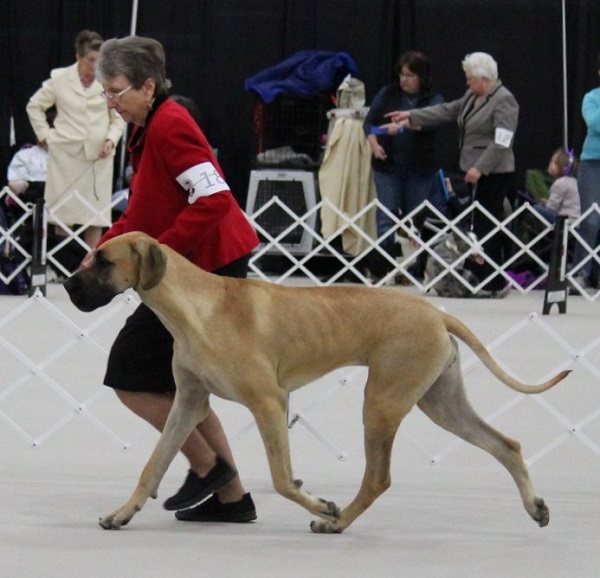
x,y
460,330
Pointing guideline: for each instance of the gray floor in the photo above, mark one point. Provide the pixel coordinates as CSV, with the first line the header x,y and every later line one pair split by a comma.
x,y
459,515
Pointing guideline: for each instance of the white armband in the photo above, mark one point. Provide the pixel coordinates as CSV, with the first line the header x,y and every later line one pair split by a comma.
x,y
503,137
201,181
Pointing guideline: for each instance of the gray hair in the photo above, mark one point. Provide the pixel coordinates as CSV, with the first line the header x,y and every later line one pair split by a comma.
x,y
481,65
137,59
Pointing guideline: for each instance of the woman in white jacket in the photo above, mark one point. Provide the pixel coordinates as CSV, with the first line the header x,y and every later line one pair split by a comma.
x,y
81,144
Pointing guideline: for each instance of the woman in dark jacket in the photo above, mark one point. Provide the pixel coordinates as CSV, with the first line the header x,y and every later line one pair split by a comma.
x,y
404,167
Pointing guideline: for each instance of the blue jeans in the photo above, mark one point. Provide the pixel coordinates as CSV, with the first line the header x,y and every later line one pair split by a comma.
x,y
588,183
548,214
400,192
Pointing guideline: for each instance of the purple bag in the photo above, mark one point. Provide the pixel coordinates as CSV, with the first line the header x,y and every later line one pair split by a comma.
x,y
17,285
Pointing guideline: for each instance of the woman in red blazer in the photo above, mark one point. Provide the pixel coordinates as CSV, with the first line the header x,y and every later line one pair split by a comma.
x,y
178,195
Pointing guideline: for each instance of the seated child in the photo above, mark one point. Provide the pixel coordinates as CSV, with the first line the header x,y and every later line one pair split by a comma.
x,y
563,196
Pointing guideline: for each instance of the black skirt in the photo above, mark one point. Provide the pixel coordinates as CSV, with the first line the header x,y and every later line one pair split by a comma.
x,y
141,356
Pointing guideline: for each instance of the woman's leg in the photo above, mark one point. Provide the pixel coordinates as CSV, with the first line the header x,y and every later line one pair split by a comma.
x,y
386,185
491,192
380,264
588,183
212,431
416,190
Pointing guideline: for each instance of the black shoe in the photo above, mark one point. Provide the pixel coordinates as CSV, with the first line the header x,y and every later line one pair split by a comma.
x,y
214,511
195,489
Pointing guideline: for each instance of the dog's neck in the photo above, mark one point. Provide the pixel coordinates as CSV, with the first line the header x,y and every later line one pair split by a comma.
x,y
180,291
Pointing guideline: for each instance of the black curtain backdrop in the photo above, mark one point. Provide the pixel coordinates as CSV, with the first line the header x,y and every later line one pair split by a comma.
x,y
213,46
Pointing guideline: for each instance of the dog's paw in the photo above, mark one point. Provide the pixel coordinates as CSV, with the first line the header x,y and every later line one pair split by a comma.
x,y
108,523
329,510
113,521
541,514
325,527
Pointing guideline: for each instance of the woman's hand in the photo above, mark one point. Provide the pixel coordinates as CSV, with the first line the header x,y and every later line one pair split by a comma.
x,y
398,116
472,176
378,152
106,149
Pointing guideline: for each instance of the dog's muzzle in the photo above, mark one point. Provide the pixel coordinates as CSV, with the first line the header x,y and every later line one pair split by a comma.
x,y
86,293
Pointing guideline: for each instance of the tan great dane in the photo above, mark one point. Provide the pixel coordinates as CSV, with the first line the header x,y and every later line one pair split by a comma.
x,y
254,342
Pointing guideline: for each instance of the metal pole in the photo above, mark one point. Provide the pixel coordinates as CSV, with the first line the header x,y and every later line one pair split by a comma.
x,y
123,152
564,49
134,15
38,250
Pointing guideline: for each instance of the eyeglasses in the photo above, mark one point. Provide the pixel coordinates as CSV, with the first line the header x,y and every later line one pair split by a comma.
x,y
115,96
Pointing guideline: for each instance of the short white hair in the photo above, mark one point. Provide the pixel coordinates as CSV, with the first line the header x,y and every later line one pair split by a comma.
x,y
481,65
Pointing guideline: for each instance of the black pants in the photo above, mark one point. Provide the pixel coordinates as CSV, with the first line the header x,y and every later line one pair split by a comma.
x,y
491,192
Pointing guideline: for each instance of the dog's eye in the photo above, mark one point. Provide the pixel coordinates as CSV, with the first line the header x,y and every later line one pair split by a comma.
x,y
101,259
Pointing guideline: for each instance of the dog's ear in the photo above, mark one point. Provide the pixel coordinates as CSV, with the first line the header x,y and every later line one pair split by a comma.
x,y
153,263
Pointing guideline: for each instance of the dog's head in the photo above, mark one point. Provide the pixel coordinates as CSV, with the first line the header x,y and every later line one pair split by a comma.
x,y
132,260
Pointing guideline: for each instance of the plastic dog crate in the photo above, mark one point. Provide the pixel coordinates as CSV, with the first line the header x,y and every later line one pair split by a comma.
x,y
297,191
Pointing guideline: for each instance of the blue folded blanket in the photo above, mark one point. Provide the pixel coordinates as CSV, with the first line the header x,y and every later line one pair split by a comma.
x,y
305,72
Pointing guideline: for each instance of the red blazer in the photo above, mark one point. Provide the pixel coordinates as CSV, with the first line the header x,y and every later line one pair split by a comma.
x,y
178,193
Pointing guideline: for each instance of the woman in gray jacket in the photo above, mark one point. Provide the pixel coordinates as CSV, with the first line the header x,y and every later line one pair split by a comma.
x,y
487,116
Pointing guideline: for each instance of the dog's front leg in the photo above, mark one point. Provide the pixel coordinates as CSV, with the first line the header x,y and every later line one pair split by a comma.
x,y
270,416
190,406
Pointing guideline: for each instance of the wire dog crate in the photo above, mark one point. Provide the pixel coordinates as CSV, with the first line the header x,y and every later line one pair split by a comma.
x,y
289,132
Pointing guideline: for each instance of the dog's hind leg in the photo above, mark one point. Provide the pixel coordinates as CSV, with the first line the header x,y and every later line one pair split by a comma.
x,y
190,406
382,417
392,390
447,405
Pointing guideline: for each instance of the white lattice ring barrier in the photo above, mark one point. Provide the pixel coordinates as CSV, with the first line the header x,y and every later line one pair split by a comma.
x,y
53,358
